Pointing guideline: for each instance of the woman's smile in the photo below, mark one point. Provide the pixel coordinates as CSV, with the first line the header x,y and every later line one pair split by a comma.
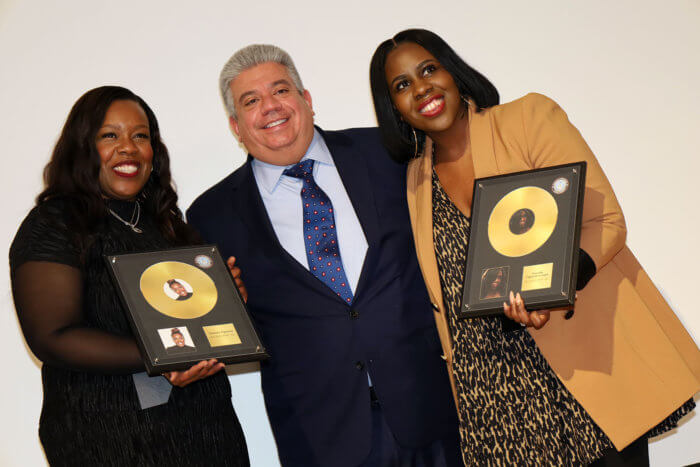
x,y
432,106
127,169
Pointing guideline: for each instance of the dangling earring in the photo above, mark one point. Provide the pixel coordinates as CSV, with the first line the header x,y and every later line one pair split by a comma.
x,y
415,136
415,143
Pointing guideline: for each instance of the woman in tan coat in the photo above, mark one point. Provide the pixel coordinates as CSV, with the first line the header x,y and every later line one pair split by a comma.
x,y
571,388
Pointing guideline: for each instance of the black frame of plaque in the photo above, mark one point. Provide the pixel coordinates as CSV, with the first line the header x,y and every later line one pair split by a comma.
x,y
148,323
561,248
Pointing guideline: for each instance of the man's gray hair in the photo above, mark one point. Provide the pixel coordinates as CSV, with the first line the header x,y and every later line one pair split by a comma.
x,y
248,57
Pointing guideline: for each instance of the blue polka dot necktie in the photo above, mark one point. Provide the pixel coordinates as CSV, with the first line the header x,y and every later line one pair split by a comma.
x,y
320,234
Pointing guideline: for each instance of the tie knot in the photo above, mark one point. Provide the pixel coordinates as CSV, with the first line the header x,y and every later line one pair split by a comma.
x,y
300,169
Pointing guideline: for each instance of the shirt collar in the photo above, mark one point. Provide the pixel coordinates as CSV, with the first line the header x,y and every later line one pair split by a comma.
x,y
269,175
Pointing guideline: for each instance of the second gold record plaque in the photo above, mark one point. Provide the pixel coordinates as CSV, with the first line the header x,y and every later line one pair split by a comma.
x,y
524,238
178,290
522,221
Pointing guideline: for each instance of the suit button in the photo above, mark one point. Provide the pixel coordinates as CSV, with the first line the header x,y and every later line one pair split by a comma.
x,y
354,314
359,365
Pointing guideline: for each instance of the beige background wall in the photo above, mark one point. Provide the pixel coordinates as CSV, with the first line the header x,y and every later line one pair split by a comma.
x,y
627,73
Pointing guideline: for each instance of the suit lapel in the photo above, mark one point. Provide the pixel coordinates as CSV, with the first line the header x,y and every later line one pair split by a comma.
x,y
249,204
354,173
355,176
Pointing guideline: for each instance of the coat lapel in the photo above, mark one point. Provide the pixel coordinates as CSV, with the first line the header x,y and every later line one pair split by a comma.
x,y
483,155
420,198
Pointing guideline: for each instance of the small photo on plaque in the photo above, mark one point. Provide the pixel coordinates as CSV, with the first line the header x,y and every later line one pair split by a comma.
x,y
524,237
494,283
176,340
184,307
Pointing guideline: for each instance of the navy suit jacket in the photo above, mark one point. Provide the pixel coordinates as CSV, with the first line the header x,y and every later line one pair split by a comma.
x,y
315,383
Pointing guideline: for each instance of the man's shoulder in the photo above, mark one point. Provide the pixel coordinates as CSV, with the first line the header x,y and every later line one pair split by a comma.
x,y
357,132
352,135
363,142
213,196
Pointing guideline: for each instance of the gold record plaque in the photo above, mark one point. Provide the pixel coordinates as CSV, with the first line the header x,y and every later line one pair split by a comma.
x,y
184,307
524,237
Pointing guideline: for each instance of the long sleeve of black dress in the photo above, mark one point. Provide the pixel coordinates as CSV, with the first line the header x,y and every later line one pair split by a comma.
x,y
48,287
74,321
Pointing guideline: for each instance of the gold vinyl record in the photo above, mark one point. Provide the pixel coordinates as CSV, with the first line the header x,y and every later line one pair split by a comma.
x,y
178,290
522,221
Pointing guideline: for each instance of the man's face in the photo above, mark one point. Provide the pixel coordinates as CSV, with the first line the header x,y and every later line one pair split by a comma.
x,y
274,121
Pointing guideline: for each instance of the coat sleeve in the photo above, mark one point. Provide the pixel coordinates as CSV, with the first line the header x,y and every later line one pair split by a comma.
x,y
552,140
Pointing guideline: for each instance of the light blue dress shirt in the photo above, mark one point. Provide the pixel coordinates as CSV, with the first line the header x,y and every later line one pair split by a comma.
x,y
281,195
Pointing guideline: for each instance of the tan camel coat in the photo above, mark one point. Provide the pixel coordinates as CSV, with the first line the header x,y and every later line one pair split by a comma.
x,y
624,355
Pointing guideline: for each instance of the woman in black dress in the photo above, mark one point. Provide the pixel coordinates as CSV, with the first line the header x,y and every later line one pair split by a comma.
x,y
108,191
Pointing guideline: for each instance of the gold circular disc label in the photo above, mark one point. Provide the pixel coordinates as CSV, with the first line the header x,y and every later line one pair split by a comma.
x,y
178,290
538,211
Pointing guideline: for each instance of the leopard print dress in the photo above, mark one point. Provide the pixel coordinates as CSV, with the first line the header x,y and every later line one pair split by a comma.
x,y
513,408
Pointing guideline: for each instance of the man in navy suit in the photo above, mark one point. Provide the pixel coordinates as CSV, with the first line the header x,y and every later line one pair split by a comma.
x,y
318,223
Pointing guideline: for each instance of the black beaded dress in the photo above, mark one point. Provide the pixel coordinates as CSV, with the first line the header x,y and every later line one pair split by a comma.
x,y
91,413
513,408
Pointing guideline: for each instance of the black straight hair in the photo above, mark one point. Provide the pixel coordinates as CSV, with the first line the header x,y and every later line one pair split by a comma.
x,y
72,173
398,135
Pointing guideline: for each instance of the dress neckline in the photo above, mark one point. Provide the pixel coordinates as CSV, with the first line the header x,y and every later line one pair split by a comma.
x,y
436,181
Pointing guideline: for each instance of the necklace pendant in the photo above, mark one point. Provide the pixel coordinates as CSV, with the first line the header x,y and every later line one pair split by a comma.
x,y
132,223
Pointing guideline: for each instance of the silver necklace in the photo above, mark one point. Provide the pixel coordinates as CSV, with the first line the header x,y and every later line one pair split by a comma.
x,y
132,223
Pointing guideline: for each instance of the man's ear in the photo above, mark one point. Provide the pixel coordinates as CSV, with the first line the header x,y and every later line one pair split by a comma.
x,y
307,97
233,124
